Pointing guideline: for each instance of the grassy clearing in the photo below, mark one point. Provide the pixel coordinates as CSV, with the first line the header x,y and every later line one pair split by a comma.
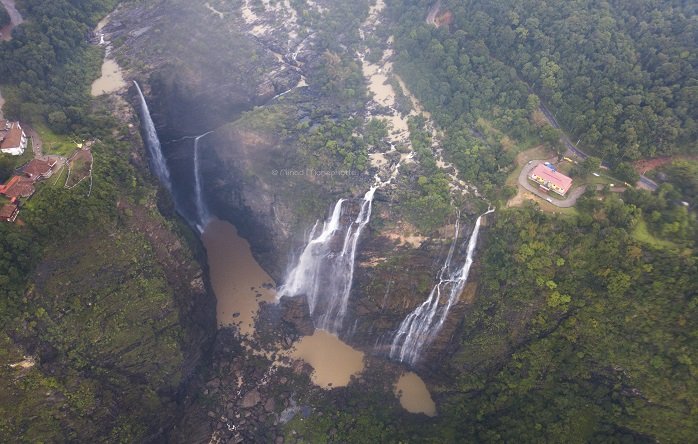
x,y
641,233
55,143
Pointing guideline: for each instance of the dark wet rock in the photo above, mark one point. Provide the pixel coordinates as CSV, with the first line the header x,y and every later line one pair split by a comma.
x,y
297,314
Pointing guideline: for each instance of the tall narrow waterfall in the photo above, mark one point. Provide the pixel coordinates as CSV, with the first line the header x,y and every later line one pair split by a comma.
x,y
421,326
202,213
157,160
324,273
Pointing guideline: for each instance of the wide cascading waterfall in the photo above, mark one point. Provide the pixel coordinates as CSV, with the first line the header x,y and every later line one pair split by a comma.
x,y
421,326
157,160
325,274
202,212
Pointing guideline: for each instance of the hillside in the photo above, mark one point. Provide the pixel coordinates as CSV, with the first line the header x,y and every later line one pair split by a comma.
x,y
360,148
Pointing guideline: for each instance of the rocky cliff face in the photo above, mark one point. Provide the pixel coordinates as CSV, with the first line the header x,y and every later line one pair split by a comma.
x,y
266,82
118,317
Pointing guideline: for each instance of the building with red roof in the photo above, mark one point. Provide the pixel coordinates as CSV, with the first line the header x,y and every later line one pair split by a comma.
x,y
38,169
18,186
550,179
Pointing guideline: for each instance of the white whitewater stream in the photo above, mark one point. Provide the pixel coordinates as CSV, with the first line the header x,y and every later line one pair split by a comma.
x,y
202,213
157,160
421,326
325,275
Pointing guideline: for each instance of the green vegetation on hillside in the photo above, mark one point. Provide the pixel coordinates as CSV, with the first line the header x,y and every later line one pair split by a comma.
x,y
49,64
620,77
98,309
579,333
83,292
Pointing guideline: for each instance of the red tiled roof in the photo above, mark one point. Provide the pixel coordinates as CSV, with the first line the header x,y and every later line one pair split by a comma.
x,y
7,211
37,167
13,137
555,178
18,186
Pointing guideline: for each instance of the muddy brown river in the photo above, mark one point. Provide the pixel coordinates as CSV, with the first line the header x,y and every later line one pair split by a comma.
x,y
240,285
237,279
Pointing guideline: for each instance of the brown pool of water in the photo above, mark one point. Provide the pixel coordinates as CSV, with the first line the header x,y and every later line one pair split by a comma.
x,y
111,80
333,361
237,279
414,395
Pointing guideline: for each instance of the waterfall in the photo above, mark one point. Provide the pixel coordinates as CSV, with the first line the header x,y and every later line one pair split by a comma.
x,y
421,326
323,273
202,213
152,143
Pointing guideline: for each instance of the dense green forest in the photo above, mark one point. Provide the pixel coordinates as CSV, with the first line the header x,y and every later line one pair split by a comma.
x,y
47,66
620,76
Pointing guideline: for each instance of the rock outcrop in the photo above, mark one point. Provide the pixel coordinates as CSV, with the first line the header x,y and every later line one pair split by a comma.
x,y
262,96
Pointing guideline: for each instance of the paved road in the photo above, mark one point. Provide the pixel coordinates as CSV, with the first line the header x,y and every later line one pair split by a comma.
x,y
646,181
566,140
569,201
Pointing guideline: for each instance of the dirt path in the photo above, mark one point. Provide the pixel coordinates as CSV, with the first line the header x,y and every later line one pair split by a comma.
x,y
37,143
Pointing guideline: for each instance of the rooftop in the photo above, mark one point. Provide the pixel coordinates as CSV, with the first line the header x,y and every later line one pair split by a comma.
x,y
18,186
13,137
8,210
554,177
37,167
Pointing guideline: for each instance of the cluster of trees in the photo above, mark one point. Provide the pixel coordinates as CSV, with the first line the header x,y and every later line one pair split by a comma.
x,y
341,78
49,63
619,75
581,332
425,198
460,83
665,214
683,175
332,143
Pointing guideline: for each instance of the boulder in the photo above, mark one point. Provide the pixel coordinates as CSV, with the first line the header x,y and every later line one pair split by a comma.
x,y
251,399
